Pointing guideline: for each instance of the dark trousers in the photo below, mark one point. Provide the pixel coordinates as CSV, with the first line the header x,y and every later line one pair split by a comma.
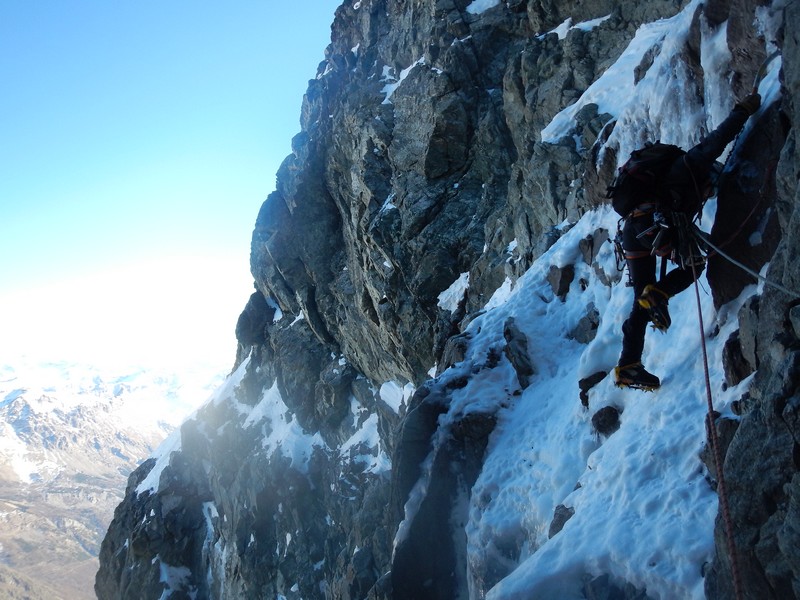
x,y
642,271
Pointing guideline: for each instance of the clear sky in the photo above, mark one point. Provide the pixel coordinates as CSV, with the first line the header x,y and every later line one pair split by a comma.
x,y
138,139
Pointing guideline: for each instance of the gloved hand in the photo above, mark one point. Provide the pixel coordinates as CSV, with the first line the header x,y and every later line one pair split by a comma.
x,y
749,103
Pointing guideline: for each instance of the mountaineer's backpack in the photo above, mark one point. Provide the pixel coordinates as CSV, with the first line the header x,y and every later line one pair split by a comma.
x,y
641,178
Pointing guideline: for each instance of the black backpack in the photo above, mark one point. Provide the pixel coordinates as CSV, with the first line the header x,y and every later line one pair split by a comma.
x,y
640,178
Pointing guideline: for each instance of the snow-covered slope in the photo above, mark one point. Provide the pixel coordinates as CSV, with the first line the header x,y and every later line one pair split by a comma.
x,y
643,507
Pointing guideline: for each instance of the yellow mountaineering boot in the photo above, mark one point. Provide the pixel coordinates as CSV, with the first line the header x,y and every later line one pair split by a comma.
x,y
656,303
635,376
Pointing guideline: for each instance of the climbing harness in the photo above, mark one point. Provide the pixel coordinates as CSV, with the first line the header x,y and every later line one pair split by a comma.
x,y
673,239
718,464
660,228
687,250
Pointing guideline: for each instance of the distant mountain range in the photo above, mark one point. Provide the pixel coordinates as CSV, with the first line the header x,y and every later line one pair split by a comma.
x,y
69,437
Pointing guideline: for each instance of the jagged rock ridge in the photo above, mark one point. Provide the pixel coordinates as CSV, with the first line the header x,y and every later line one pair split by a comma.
x,y
422,162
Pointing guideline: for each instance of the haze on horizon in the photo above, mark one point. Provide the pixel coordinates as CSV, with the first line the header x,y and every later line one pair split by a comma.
x,y
137,143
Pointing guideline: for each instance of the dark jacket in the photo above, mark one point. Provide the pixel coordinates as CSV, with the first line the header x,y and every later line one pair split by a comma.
x,y
689,176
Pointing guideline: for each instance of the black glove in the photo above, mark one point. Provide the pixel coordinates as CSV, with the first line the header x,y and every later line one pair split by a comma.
x,y
750,104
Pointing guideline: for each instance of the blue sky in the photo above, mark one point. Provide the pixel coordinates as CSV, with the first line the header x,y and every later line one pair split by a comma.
x,y
137,142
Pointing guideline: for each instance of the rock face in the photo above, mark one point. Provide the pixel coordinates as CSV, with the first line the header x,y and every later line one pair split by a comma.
x,y
763,459
422,162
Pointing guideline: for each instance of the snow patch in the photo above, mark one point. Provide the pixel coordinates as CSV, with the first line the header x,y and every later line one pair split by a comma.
x,y
562,30
715,58
501,294
477,7
175,578
367,437
396,395
393,83
450,298
281,430
388,204
637,109
162,456
278,312
14,451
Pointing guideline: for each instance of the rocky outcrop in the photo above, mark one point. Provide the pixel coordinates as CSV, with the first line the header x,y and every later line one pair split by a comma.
x,y
422,164
762,462
437,490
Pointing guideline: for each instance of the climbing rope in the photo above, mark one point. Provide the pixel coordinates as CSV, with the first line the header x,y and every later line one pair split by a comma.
x,y
712,430
703,239
721,489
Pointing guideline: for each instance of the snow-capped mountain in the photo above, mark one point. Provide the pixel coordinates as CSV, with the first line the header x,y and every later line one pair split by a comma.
x,y
69,438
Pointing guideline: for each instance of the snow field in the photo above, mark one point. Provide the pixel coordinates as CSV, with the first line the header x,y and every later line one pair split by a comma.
x,y
644,511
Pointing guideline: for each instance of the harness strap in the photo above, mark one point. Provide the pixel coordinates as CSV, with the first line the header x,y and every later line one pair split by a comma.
x,y
633,255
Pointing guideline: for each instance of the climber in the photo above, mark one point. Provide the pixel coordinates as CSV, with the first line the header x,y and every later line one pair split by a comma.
x,y
653,227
